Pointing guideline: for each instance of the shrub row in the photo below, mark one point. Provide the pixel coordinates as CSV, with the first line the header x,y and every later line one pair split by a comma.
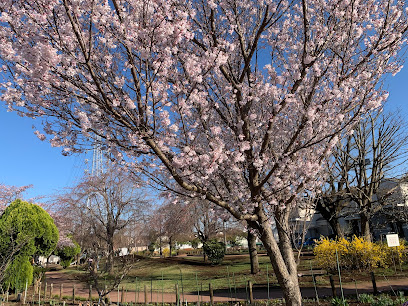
x,y
357,254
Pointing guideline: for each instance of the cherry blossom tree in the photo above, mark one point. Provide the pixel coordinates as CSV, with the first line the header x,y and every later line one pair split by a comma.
x,y
10,193
236,102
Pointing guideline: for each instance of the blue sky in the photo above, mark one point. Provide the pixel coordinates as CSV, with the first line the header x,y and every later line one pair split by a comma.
x,y
24,159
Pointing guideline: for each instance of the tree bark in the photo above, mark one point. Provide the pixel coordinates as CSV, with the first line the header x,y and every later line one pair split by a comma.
x,y
365,226
109,241
335,225
253,253
109,262
282,260
287,281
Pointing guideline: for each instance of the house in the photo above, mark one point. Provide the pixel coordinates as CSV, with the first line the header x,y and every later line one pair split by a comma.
x,y
390,215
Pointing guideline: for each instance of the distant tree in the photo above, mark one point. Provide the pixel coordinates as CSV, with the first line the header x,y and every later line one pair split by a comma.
x,y
27,230
106,203
178,222
207,222
156,231
361,161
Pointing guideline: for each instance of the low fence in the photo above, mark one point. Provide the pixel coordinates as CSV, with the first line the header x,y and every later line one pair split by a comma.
x,y
69,294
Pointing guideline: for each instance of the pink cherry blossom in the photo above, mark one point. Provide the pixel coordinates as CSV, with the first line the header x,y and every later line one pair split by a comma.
x,y
258,90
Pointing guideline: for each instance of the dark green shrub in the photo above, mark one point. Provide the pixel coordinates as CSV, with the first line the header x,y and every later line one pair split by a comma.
x,y
215,251
67,252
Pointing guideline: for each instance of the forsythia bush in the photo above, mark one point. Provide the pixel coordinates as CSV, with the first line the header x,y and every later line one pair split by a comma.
x,y
357,253
395,253
166,252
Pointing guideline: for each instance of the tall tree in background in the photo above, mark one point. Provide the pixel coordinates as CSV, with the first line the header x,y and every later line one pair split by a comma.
x,y
175,88
178,224
361,162
107,203
171,222
207,221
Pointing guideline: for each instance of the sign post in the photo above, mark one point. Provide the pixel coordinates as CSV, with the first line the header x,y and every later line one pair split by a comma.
x,y
393,241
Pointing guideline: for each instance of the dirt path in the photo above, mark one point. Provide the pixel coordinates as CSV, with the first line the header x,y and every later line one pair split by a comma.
x,y
58,278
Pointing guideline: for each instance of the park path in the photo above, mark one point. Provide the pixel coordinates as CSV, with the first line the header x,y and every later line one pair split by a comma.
x,y
81,289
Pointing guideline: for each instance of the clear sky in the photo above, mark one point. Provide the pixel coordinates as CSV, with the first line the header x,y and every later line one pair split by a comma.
x,y
24,159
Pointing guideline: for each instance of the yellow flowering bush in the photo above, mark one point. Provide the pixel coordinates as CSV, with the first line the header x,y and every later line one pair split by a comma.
x,y
357,253
396,254
166,252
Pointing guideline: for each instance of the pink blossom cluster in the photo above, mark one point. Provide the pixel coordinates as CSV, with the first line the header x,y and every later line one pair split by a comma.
x,y
237,102
10,193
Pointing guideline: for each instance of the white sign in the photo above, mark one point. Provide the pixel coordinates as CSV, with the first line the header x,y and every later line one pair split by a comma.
x,y
392,240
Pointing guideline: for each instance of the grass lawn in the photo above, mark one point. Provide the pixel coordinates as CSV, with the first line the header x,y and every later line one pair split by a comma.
x,y
192,274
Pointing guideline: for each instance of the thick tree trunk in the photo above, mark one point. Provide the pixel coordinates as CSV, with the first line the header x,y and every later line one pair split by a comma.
x,y
365,226
283,262
253,253
337,230
109,262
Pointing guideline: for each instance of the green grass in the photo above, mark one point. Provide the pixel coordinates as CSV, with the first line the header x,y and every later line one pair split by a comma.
x,y
166,273
191,274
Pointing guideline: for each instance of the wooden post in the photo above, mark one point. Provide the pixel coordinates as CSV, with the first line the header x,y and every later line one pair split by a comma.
x,y
211,294
374,283
177,295
90,294
61,286
73,295
51,290
45,291
333,288
122,299
145,294
251,295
